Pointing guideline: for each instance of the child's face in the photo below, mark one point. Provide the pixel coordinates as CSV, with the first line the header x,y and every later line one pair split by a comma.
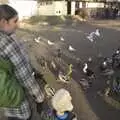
x,y
9,26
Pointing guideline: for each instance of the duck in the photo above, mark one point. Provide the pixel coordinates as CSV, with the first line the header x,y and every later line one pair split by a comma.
x,y
37,40
90,38
97,32
49,90
50,43
53,65
116,58
103,66
117,52
62,77
106,64
89,59
71,48
87,71
62,39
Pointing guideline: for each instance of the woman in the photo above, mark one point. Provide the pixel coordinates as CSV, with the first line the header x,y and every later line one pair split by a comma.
x,y
10,50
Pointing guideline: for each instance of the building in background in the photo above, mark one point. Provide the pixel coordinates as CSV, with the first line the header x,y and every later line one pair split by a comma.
x,y
28,8
52,8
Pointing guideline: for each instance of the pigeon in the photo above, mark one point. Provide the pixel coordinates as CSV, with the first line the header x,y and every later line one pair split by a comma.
x,y
117,52
97,32
71,48
62,39
50,43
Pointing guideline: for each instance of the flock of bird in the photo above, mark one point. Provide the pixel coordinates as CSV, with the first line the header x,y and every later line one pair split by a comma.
x,y
90,37
86,70
89,74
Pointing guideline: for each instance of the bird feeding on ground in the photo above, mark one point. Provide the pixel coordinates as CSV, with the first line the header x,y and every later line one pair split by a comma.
x,y
90,38
92,35
71,48
103,66
88,71
97,32
37,39
62,77
89,59
50,43
53,65
116,55
106,64
49,90
62,39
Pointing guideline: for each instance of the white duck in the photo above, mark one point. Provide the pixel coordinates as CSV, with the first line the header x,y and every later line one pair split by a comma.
x,y
37,40
50,43
62,39
71,48
97,32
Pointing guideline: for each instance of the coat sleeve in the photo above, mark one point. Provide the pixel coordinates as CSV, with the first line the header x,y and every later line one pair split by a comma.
x,y
23,71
